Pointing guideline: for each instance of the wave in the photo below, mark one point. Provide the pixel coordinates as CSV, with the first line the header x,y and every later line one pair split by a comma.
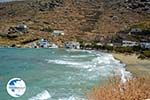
x,y
63,62
72,98
102,64
79,50
45,95
125,75
97,66
102,60
80,56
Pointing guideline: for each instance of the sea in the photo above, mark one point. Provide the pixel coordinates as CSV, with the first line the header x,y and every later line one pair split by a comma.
x,y
7,0
56,74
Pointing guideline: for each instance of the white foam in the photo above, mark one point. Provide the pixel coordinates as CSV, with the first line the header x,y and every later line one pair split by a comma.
x,y
72,98
110,62
103,62
41,96
63,62
123,78
79,56
78,50
125,75
85,65
102,65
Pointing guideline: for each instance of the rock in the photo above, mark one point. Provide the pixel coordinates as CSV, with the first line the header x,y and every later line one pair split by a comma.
x,y
49,5
139,5
13,45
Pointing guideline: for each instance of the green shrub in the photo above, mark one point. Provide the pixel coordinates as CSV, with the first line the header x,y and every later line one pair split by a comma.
x,y
146,53
3,34
136,48
141,56
141,25
88,46
47,29
124,49
110,48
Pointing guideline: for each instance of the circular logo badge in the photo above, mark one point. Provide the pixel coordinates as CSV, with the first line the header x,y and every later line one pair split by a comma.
x,y
16,87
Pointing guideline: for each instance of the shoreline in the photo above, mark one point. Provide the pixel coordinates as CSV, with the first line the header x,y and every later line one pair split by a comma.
x,y
138,67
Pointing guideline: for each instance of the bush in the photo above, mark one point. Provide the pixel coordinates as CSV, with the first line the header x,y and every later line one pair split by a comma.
x,y
136,48
3,34
142,25
146,53
141,56
47,29
110,48
124,49
135,89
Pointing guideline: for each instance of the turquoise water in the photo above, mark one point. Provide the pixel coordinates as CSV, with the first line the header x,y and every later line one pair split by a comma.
x,y
7,0
62,74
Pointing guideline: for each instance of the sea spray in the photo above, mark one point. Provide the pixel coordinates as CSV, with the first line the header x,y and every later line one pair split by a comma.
x,y
72,98
41,96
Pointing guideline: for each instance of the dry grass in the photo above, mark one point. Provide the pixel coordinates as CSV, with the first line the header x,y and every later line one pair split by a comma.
x,y
135,89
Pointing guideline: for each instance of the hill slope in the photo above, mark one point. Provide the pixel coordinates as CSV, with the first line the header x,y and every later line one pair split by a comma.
x,y
80,19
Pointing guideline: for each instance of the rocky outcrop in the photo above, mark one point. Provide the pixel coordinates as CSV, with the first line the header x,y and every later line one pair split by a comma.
x,y
138,5
46,5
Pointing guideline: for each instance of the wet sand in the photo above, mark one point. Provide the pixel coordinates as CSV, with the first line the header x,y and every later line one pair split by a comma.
x,y
138,67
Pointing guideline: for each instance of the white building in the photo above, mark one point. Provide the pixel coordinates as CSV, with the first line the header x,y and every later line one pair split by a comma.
x,y
44,43
72,45
135,31
145,45
110,44
129,43
22,28
58,32
99,44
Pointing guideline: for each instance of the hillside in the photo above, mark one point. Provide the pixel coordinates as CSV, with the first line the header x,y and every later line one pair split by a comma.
x,y
86,20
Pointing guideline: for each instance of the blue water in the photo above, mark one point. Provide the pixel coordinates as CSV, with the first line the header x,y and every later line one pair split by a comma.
x,y
7,0
62,74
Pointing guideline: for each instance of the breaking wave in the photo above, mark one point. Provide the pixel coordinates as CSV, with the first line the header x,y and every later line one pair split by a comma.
x,y
72,98
45,95
91,66
63,62
100,63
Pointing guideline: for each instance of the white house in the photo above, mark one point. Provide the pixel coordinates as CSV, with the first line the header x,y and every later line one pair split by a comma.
x,y
110,44
99,44
22,28
135,31
72,45
129,43
58,32
145,45
44,43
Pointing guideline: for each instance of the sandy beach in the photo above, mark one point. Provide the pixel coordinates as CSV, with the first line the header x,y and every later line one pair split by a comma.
x,y
138,67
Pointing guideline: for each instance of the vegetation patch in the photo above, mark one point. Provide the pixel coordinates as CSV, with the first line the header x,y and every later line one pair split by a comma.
x,y
142,25
145,54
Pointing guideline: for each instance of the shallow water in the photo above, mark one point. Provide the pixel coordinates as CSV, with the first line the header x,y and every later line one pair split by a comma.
x,y
57,74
